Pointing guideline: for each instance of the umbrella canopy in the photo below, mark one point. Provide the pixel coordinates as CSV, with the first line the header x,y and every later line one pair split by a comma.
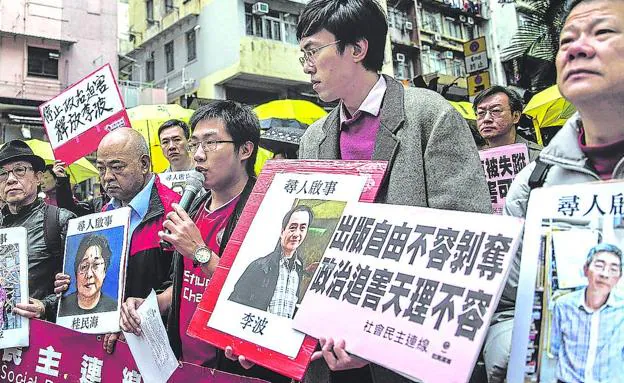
x,y
79,171
465,109
303,111
549,108
147,119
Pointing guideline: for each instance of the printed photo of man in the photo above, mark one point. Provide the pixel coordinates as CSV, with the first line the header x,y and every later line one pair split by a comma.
x,y
90,266
586,336
271,283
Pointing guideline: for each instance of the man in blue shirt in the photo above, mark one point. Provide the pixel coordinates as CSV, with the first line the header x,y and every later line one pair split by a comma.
x,y
586,338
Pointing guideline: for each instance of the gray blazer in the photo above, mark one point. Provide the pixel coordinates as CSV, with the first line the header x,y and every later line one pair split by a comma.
x,y
432,162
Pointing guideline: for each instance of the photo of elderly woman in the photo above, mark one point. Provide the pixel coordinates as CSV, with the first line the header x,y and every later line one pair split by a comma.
x,y
90,266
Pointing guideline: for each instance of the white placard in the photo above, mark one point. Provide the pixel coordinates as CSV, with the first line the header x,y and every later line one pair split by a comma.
x,y
13,286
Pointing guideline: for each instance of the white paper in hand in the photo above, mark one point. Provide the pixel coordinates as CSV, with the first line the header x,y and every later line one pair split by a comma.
x,y
151,350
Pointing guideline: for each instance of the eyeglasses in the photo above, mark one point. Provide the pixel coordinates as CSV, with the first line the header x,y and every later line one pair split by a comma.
x,y
494,112
612,271
115,169
18,171
167,142
308,55
96,267
207,146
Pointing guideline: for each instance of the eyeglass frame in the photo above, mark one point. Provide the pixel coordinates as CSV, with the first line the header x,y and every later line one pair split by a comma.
x,y
16,175
91,266
493,112
194,145
308,54
603,267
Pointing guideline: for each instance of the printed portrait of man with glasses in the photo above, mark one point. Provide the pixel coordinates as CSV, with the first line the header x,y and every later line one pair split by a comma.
x,y
586,340
91,263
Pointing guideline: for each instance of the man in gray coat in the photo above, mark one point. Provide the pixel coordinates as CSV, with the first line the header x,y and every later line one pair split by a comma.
x,y
432,157
589,147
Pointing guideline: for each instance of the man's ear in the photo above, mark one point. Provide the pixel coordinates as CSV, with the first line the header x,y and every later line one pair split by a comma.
x,y
359,50
146,163
245,150
516,116
39,177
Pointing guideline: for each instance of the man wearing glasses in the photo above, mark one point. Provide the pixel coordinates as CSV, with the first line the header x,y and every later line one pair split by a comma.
x,y
498,110
123,163
586,338
21,174
432,158
173,136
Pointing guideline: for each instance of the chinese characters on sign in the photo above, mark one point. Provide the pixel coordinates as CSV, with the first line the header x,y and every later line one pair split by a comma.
x,y
77,119
427,281
501,165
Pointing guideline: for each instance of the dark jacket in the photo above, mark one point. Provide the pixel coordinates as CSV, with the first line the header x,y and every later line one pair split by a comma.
x,y
256,286
43,262
149,265
65,199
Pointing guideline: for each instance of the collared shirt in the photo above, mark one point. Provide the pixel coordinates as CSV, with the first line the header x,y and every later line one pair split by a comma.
x,y
285,296
589,344
139,205
358,132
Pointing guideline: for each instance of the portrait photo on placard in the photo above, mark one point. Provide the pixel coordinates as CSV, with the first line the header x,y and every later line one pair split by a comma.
x,y
93,263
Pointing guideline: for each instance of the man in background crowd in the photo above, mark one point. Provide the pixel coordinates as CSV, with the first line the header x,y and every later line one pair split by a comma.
x,y
173,136
498,110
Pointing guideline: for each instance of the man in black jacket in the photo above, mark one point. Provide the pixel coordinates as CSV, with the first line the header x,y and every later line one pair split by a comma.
x,y
271,283
20,177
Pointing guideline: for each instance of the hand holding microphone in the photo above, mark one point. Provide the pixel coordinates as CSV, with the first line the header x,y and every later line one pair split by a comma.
x,y
178,228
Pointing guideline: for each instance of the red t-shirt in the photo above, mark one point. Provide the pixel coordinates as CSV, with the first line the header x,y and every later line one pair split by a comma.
x,y
602,157
211,225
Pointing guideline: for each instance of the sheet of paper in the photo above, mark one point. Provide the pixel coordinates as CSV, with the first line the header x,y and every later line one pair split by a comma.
x,y
151,351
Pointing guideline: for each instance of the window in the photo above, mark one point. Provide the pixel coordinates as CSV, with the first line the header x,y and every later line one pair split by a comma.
x,y
43,62
149,68
431,21
280,26
452,28
191,47
168,5
149,9
169,56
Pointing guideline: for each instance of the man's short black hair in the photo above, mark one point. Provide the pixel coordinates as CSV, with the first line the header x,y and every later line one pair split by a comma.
x,y
172,123
571,4
515,101
295,209
240,122
350,21
48,169
92,240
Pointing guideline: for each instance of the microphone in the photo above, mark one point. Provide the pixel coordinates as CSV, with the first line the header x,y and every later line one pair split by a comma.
x,y
194,183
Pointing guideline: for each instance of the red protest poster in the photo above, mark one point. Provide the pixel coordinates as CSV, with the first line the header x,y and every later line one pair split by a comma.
x,y
57,354
77,119
265,335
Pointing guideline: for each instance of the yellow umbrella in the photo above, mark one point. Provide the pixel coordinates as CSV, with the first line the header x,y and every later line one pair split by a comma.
x,y
465,109
79,171
305,112
147,119
548,108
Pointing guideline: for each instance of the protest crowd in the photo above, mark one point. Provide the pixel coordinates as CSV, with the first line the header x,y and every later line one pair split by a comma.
x,y
432,162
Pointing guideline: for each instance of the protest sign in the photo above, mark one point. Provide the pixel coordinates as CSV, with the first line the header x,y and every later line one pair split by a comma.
x,y
57,354
95,259
77,119
557,272
175,181
13,286
262,329
411,289
501,165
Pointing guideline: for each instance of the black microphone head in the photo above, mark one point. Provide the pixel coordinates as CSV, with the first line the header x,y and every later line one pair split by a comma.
x,y
195,182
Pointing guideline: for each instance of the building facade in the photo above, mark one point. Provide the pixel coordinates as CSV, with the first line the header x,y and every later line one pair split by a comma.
x,y
45,46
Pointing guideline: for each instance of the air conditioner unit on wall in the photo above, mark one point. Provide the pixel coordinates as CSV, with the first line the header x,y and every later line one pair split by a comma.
x,y
408,26
425,48
448,55
400,57
260,8
462,18
437,37
470,20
